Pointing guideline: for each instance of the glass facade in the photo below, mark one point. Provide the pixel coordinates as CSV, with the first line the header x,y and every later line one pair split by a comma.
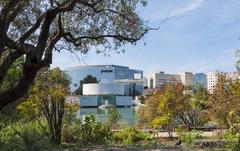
x,y
200,79
108,72
106,99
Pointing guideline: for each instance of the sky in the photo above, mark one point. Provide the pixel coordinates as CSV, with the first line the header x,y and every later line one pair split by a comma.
x,y
198,36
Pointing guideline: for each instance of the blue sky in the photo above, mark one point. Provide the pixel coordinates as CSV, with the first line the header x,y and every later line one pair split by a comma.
x,y
199,36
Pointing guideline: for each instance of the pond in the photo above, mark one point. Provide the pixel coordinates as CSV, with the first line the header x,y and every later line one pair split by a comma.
x,y
128,114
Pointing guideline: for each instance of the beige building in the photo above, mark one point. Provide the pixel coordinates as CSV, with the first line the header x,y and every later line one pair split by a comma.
x,y
186,78
158,80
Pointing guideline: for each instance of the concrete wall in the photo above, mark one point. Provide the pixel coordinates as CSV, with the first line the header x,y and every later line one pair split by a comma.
x,y
103,89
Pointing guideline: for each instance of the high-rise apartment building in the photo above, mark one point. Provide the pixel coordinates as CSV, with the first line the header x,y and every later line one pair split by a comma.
x,y
212,78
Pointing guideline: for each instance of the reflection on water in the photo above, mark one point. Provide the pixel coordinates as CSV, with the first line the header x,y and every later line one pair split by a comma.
x,y
128,115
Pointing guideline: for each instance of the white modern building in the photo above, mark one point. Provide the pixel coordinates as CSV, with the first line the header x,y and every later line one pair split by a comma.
x,y
108,72
104,93
212,78
132,87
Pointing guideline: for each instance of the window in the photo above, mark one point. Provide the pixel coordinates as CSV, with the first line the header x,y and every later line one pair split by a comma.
x,y
106,71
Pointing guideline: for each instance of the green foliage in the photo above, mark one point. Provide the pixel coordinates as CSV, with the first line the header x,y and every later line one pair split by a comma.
x,y
236,146
142,99
232,139
200,98
189,137
23,137
129,136
224,103
87,132
9,115
47,99
87,79
162,108
234,122
70,112
113,117
13,74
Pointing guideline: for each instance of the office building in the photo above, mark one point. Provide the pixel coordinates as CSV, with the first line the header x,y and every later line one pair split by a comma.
x,y
200,79
158,80
107,72
104,93
186,78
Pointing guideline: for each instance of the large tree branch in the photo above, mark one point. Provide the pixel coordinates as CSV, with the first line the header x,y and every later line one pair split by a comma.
x,y
7,63
61,8
52,42
19,90
44,33
77,40
8,13
32,29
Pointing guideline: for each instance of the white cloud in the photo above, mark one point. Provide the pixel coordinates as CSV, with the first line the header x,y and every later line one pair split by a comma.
x,y
192,6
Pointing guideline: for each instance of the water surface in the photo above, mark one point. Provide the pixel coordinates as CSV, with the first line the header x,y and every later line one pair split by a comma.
x,y
128,115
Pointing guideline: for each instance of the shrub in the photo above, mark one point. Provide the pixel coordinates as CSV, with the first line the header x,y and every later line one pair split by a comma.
x,y
87,132
233,140
189,137
236,146
130,136
23,137
70,132
113,116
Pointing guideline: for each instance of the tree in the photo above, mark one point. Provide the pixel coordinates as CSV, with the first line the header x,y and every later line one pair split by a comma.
x,y
200,98
33,29
87,79
164,107
9,114
47,99
225,100
113,117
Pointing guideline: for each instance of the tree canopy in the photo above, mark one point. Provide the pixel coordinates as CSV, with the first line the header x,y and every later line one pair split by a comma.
x,y
225,100
33,29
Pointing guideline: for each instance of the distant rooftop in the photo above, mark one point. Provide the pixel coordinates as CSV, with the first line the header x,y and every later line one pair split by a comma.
x,y
106,65
82,66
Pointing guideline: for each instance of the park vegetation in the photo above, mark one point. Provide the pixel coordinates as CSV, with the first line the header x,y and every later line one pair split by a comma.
x,y
172,109
34,112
